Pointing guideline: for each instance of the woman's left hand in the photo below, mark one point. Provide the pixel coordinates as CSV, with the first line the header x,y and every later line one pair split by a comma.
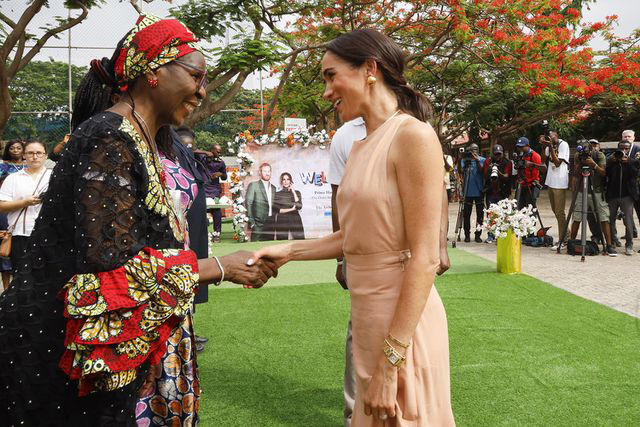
x,y
380,398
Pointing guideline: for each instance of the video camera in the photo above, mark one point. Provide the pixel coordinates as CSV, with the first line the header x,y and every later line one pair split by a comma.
x,y
584,150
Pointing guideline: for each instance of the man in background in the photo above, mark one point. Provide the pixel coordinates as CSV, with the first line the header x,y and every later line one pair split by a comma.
x,y
259,199
183,143
529,164
630,137
216,170
473,184
497,178
556,156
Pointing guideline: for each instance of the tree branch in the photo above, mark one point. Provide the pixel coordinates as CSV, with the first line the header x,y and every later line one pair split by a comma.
x,y
50,33
209,107
13,68
278,90
19,28
4,18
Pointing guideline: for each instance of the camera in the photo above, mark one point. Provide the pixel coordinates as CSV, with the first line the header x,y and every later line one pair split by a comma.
x,y
467,154
618,154
494,172
584,150
518,160
545,128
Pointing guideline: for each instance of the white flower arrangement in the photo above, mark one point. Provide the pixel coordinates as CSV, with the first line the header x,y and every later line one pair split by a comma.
x,y
505,215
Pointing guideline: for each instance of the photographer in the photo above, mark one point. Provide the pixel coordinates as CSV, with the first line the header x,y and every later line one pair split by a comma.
x,y
630,137
471,164
589,155
556,156
497,179
622,190
528,165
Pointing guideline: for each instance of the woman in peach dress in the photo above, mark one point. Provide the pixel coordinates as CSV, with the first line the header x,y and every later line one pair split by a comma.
x,y
390,210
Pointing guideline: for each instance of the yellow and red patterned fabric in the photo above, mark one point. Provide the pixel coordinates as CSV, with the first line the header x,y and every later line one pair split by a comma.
x,y
152,42
120,319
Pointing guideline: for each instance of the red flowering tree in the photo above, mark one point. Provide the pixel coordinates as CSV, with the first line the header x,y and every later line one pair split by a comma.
x,y
501,65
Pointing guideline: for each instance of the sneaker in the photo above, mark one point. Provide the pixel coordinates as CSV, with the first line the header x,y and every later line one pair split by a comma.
x,y
611,251
467,239
628,251
489,240
478,239
618,243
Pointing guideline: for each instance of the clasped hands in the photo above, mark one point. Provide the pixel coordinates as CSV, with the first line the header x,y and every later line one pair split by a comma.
x,y
250,269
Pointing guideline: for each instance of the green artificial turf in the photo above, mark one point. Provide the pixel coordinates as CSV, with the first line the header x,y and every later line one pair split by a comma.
x,y
522,353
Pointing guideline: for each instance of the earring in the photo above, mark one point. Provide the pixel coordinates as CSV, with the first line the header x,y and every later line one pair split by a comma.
x,y
153,83
371,80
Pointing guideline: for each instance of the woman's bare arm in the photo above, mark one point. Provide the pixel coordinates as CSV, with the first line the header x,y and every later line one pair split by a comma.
x,y
417,157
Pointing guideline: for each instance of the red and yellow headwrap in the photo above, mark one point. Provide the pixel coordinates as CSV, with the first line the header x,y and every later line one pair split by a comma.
x,y
151,43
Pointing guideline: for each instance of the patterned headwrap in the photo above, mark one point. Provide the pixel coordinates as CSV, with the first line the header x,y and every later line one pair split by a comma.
x,y
151,43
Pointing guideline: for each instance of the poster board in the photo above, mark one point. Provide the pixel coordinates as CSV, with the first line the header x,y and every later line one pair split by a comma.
x,y
308,169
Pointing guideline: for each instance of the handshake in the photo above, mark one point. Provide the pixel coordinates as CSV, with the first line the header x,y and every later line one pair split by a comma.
x,y
250,269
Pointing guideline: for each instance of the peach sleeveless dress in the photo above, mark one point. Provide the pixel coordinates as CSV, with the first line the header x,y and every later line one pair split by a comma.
x,y
376,251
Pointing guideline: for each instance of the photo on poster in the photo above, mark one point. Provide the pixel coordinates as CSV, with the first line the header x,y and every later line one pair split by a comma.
x,y
287,195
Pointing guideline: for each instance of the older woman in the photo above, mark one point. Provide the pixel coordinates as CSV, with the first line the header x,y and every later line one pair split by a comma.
x,y
107,279
390,208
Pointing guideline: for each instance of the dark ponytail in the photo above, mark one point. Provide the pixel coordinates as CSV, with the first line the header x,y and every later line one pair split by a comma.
x,y
359,45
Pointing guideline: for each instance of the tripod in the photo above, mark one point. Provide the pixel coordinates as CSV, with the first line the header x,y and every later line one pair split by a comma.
x,y
587,190
461,203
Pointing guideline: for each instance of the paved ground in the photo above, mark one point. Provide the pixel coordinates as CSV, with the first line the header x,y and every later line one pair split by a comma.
x,y
614,282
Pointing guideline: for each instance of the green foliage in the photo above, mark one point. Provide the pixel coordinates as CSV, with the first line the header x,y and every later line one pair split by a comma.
x,y
225,125
41,86
247,54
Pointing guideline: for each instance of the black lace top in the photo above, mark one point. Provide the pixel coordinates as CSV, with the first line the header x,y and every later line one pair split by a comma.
x,y
99,255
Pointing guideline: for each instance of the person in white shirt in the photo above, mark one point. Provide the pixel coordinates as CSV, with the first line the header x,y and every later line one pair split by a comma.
x,y
20,197
339,150
557,154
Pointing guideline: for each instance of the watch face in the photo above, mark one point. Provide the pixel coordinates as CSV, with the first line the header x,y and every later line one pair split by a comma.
x,y
394,358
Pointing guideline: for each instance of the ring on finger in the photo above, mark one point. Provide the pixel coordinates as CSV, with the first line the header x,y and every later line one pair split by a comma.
x,y
382,416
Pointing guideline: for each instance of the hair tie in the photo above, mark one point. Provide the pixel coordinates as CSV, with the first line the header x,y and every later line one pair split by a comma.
x,y
103,75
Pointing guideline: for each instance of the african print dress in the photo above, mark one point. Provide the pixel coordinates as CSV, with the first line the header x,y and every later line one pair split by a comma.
x,y
171,394
106,283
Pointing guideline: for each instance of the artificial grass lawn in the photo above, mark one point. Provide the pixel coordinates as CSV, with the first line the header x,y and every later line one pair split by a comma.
x,y
522,351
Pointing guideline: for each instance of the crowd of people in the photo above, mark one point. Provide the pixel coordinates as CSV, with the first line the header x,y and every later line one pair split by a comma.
x,y
110,246
613,183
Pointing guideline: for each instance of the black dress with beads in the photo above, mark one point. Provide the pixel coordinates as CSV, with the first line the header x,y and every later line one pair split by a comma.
x,y
104,278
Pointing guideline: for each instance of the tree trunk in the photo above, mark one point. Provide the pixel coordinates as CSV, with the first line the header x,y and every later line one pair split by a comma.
x,y
5,99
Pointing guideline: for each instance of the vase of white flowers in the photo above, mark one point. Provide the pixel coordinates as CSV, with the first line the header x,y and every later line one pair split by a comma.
x,y
509,224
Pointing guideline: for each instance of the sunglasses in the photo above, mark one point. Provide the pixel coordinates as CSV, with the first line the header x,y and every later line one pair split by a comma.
x,y
201,77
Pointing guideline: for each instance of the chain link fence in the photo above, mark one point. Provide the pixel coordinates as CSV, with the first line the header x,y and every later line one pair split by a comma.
x,y
48,127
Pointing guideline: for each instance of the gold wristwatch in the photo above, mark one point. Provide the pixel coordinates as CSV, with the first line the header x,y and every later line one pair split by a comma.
x,y
393,356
